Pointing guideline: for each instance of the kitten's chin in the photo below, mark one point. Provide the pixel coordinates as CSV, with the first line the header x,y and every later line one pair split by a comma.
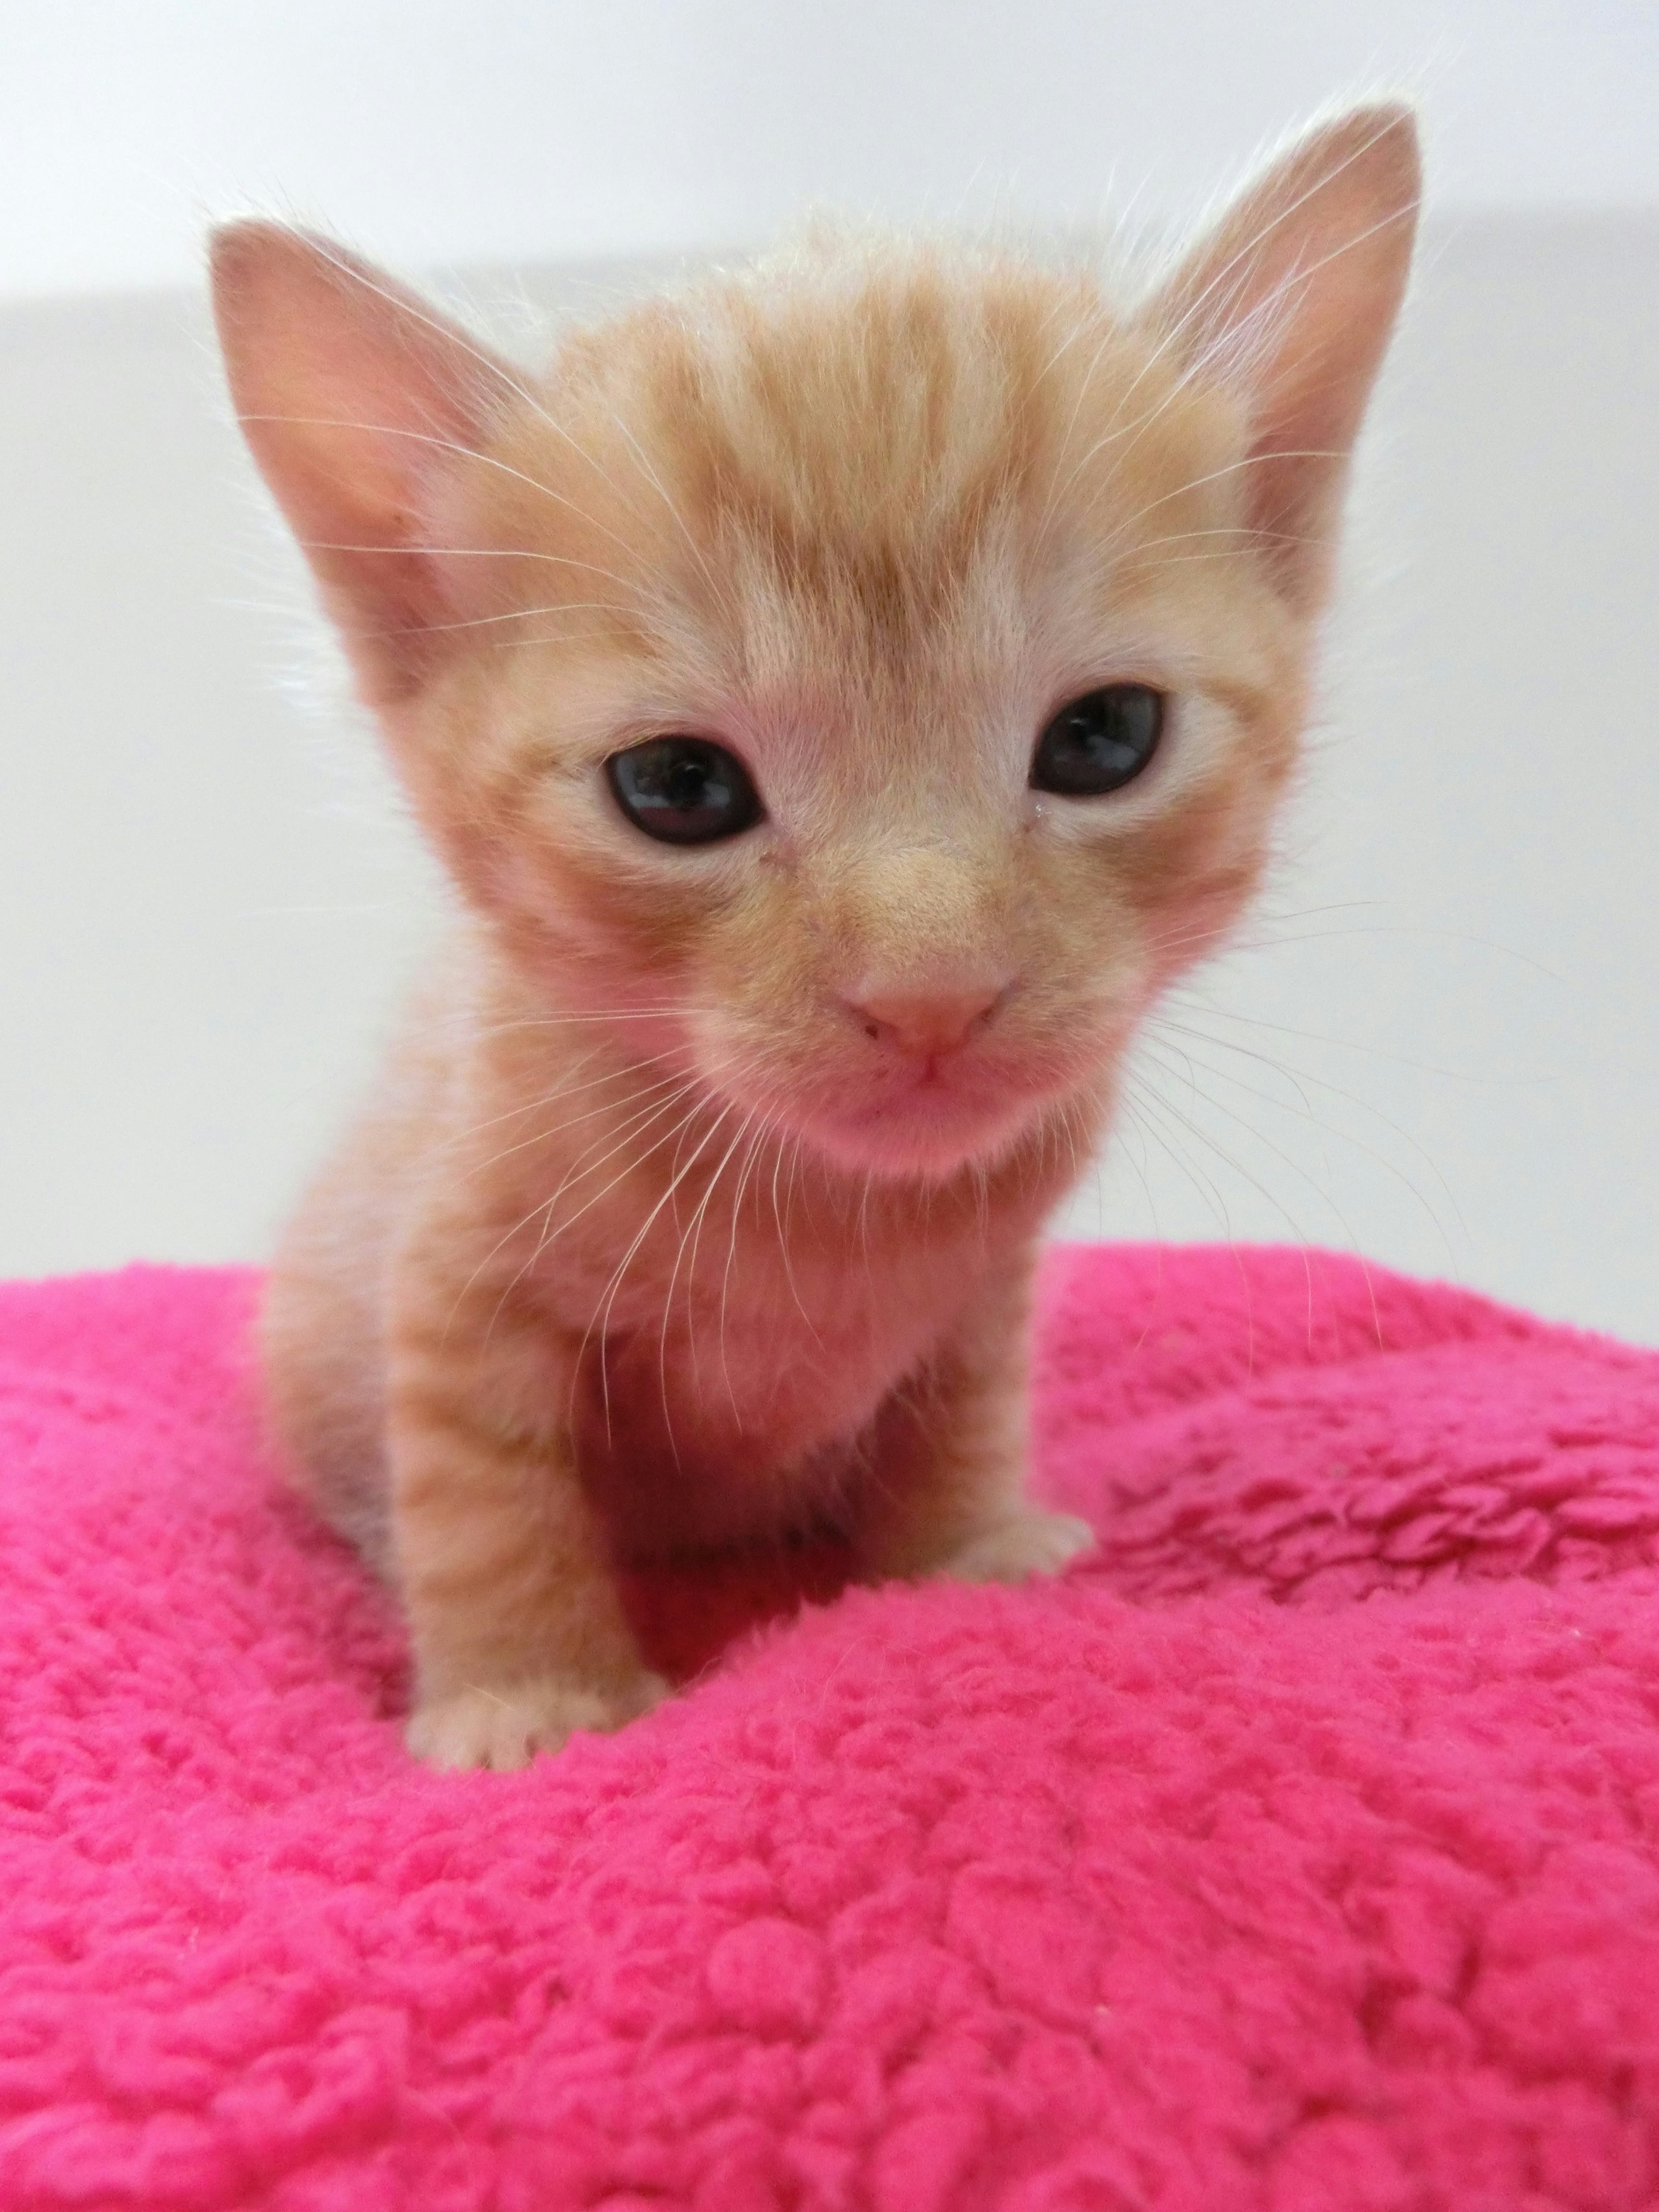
x,y
926,1141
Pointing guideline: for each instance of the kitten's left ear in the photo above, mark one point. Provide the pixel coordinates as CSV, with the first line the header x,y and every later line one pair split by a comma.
x,y
362,404
1290,302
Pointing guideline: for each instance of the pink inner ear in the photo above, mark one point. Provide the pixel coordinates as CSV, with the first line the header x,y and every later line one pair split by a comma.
x,y
360,404
1291,301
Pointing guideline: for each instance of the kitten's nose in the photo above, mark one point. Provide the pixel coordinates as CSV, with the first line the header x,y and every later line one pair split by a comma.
x,y
923,1022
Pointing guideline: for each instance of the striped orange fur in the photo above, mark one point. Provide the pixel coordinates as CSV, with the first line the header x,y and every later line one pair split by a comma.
x,y
697,1202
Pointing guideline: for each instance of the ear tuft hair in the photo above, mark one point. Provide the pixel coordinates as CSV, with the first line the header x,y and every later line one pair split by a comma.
x,y
1290,300
359,402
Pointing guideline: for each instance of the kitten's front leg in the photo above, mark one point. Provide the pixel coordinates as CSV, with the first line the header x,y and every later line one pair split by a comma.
x,y
946,1493
519,1632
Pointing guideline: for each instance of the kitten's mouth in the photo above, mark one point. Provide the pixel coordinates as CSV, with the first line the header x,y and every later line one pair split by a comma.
x,y
930,1123
928,1117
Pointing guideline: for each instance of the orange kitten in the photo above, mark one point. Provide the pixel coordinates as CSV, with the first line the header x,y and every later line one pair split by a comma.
x,y
844,695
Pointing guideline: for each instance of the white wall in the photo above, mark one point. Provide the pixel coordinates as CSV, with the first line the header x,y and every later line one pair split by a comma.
x,y
541,130
206,897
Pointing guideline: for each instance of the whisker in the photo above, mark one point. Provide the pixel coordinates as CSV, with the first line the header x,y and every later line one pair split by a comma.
x,y
1306,1112
516,614
1202,1183
781,1220
1350,1044
1296,1168
606,1301
593,1113
668,1298
440,445
545,1208
692,1235
464,1137
462,552
766,1123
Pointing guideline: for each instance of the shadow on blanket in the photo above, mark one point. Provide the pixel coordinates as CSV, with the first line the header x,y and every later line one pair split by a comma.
x,y
1299,1851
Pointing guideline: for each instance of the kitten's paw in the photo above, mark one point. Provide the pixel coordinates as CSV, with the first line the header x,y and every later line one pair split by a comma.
x,y
1029,1543
504,1729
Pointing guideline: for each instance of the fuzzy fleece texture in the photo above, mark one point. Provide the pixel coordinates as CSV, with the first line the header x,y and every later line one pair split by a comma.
x,y
1299,1851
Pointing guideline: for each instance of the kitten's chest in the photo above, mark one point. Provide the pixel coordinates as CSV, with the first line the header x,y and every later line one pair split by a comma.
x,y
726,1404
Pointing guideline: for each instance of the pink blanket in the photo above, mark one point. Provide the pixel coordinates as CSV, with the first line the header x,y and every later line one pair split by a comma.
x,y
1299,1852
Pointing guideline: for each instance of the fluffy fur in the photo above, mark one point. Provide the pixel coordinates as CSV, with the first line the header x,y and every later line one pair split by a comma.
x,y
698,1202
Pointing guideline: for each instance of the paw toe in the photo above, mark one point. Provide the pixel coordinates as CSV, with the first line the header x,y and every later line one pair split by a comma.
x,y
1014,1550
504,1729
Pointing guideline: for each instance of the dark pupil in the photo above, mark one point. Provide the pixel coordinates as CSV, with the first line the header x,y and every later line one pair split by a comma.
x,y
1100,742
688,784
685,791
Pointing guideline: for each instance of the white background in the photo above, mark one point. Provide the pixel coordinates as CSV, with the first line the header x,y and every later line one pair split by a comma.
x,y
543,130
1440,1043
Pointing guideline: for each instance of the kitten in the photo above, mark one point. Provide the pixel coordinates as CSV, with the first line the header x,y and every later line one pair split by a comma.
x,y
844,696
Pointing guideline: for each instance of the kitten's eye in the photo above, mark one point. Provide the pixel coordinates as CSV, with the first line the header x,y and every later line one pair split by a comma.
x,y
1100,742
684,791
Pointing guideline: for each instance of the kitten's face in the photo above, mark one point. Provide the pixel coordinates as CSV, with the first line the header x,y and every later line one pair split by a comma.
x,y
868,533
864,682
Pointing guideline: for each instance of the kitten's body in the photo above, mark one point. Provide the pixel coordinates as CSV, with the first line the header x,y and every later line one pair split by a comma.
x,y
728,1364
698,1204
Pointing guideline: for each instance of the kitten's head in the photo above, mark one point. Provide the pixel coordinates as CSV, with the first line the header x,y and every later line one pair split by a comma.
x,y
872,674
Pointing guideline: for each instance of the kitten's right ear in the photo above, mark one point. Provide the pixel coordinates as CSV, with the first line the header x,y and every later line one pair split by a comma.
x,y
361,404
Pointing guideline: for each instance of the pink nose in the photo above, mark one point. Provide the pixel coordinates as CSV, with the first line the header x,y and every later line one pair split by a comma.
x,y
925,1022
